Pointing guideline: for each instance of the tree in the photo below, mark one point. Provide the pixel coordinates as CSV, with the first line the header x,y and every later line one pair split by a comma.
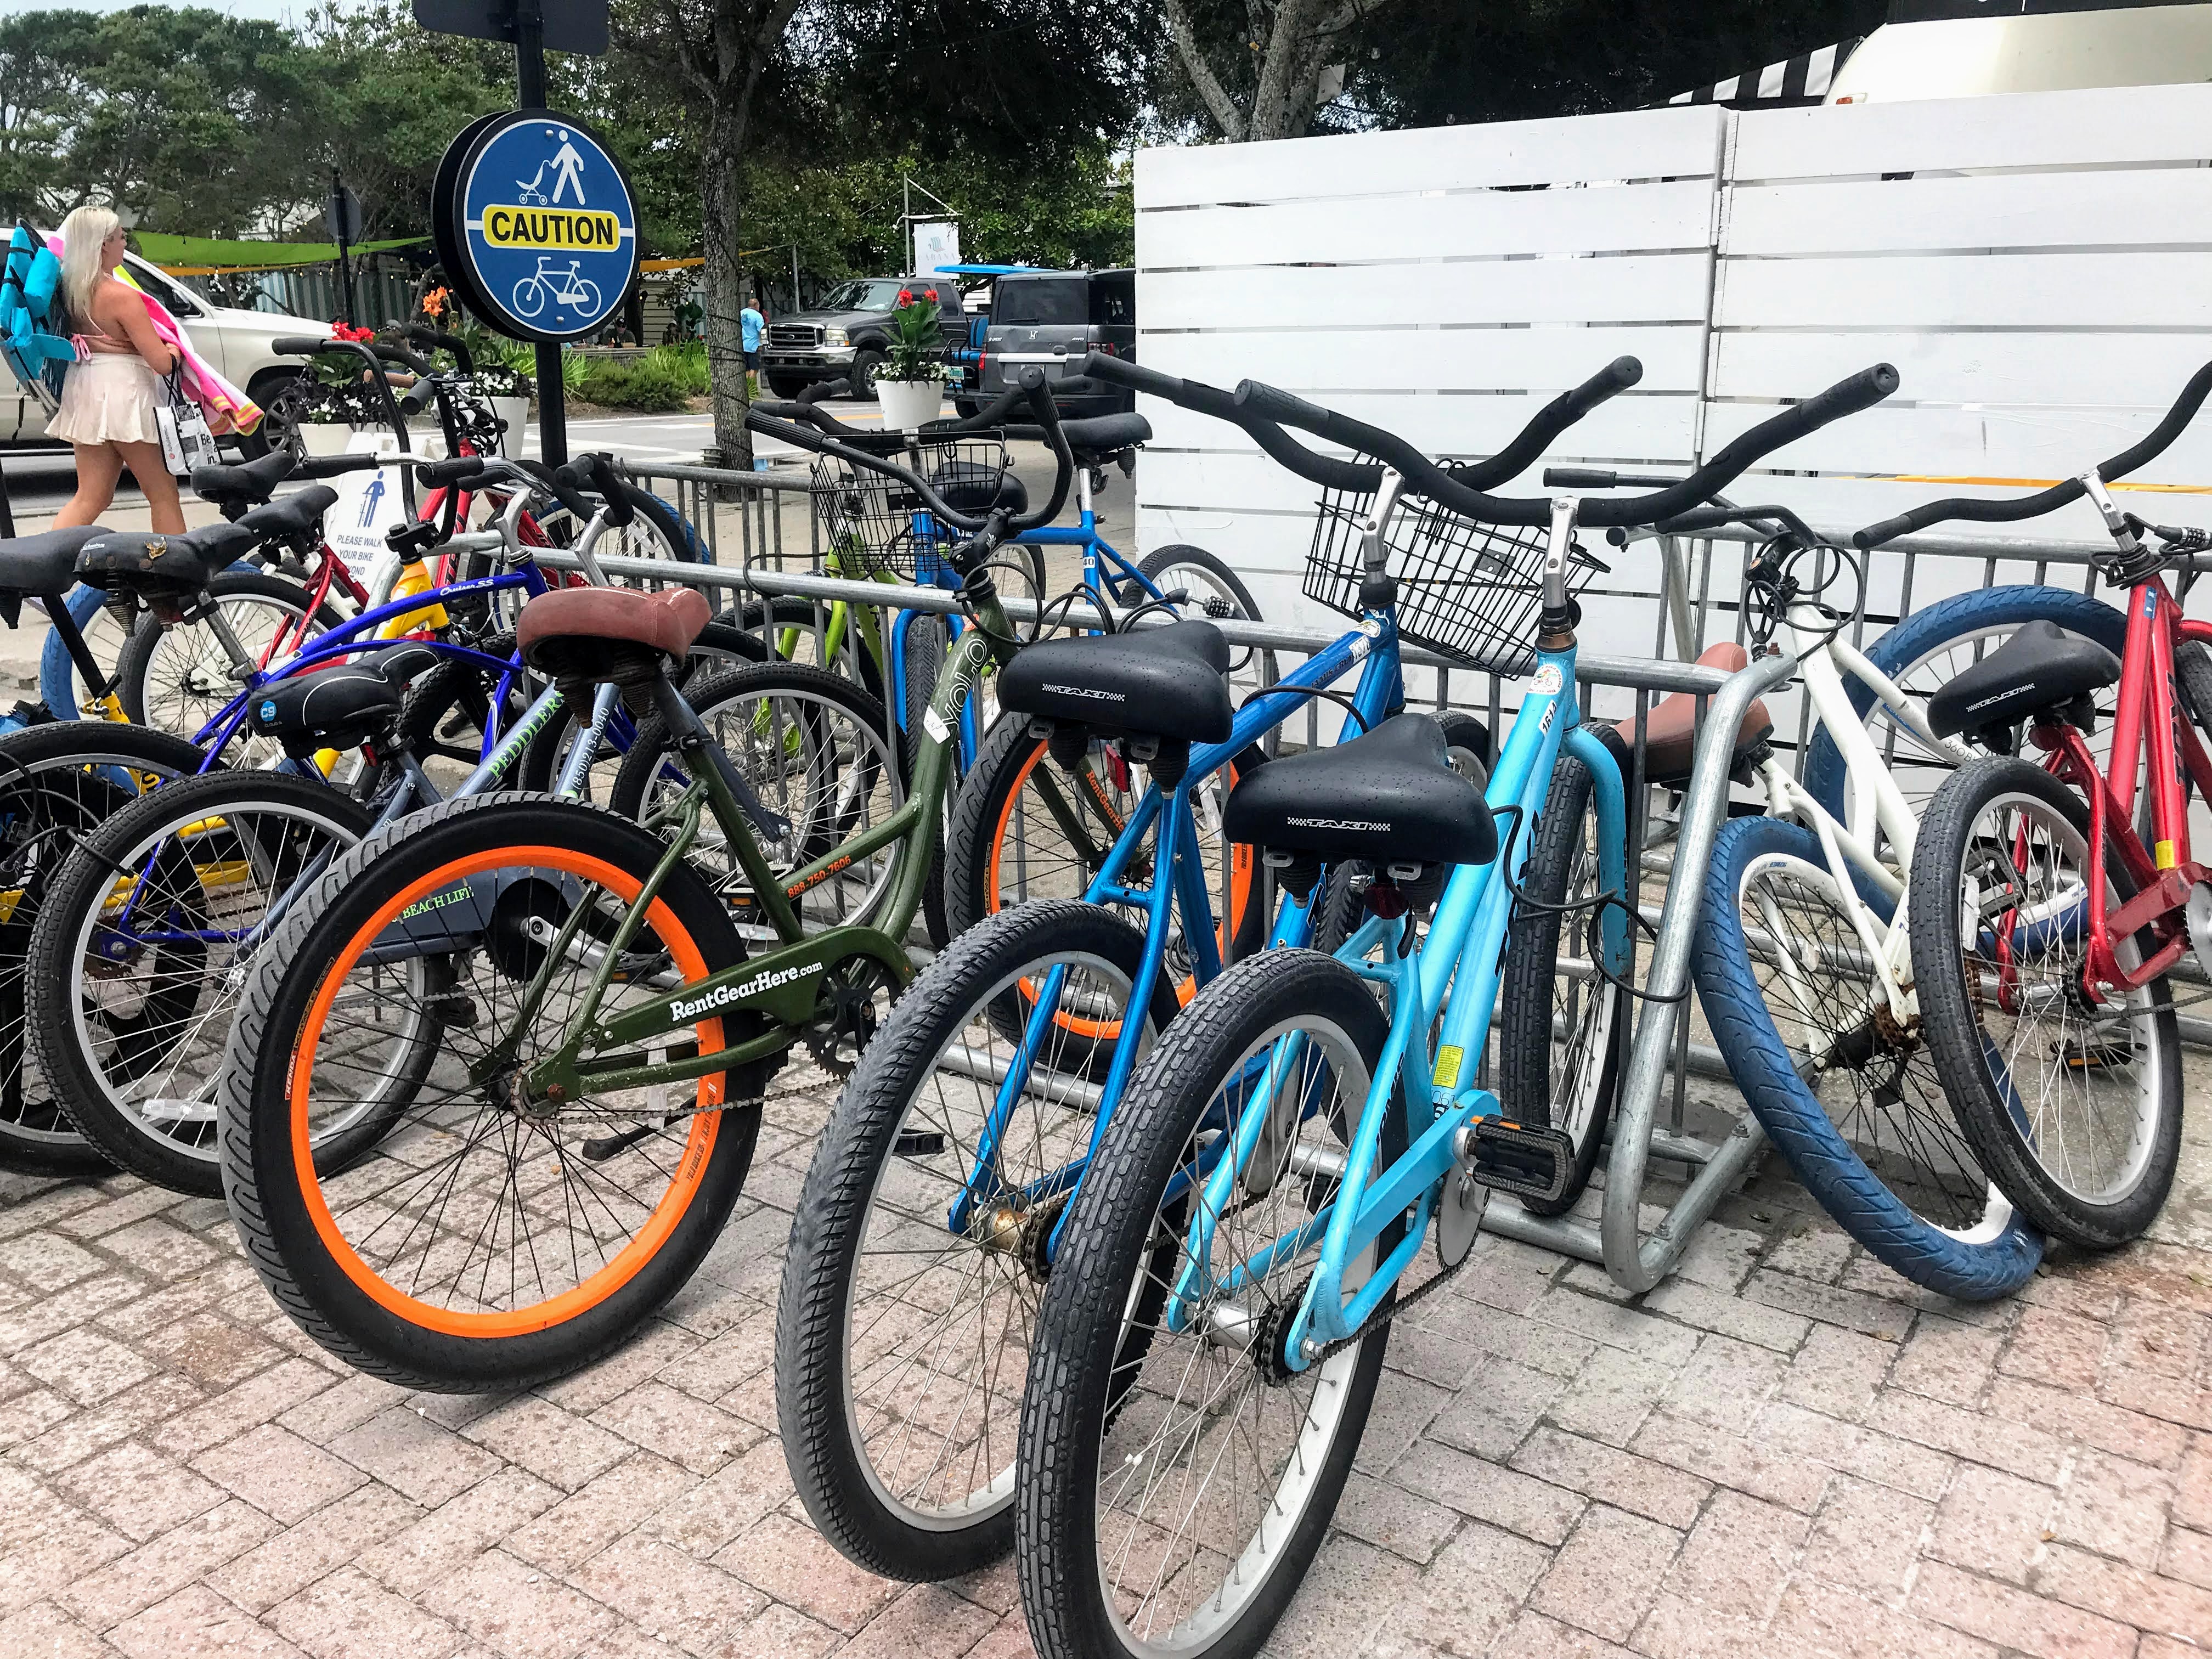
x,y
720,50
1261,74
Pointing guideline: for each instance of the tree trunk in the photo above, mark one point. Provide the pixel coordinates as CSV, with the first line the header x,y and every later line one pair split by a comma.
x,y
721,288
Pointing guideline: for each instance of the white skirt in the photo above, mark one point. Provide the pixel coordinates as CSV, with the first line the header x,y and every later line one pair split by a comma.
x,y
108,398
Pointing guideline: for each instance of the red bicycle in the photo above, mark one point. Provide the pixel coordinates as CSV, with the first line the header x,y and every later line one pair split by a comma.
x,y
2051,897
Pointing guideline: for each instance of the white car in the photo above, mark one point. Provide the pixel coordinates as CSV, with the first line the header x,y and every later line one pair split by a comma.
x,y
236,343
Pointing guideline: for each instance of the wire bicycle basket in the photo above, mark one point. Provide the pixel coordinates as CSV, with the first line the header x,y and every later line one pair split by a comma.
x,y
1468,592
877,526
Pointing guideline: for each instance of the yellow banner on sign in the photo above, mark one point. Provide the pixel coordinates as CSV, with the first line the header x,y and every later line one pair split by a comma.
x,y
564,229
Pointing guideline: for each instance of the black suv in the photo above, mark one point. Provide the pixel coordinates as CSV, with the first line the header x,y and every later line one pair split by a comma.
x,y
1049,319
848,335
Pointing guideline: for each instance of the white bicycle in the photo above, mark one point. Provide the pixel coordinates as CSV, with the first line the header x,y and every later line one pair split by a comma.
x,y
563,287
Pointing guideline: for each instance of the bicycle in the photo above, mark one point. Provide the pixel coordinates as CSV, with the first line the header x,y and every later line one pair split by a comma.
x,y
563,287
591,986
1231,1267
59,782
933,1203
2043,985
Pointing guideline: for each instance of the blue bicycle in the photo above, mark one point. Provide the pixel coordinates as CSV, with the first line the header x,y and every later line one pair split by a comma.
x,y
1213,1330
928,1222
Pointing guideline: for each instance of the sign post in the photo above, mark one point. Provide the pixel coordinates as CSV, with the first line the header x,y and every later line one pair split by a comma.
x,y
575,209
342,213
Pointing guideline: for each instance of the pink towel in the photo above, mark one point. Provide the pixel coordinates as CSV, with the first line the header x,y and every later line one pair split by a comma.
x,y
227,407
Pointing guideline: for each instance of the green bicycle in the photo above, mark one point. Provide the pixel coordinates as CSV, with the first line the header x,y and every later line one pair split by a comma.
x,y
602,1035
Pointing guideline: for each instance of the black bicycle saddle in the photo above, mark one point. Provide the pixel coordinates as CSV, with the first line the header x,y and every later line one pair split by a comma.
x,y
1389,796
2041,666
44,564
1165,683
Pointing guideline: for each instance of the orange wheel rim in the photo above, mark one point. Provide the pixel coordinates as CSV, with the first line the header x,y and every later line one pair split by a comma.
x,y
647,1241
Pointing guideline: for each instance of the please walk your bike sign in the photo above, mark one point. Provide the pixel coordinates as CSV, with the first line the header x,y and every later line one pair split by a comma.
x,y
536,221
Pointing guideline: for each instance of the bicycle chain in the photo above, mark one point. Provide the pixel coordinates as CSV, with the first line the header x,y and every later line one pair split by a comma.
x,y
1388,1311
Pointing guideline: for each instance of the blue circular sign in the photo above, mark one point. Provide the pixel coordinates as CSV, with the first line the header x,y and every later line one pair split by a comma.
x,y
548,229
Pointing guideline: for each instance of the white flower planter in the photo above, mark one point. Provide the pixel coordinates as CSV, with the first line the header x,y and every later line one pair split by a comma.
x,y
909,404
324,438
515,411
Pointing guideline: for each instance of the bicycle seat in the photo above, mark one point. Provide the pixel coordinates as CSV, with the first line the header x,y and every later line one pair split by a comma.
x,y
585,636
44,564
330,708
966,486
298,517
236,488
1104,436
2042,667
1164,683
146,561
1389,796
1670,729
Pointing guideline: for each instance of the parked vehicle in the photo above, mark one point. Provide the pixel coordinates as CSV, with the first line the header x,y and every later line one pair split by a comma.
x,y
240,344
848,336
1052,320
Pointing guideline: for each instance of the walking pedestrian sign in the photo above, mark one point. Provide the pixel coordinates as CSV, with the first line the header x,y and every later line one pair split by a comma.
x,y
543,225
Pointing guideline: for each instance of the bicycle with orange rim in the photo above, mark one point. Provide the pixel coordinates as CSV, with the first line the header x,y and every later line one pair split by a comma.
x,y
557,1014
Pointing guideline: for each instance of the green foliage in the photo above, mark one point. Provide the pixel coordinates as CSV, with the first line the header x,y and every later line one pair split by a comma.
x,y
917,347
661,381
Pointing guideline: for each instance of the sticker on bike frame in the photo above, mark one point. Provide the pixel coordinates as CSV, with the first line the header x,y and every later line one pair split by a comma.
x,y
1449,1060
1548,679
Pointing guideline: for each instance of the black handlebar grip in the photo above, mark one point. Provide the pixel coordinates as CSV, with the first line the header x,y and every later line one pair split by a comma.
x,y
304,346
757,419
462,469
1887,530
1272,402
417,398
597,474
1099,366
822,389
436,339
1616,376
562,490
392,354
1580,478
1861,391
329,466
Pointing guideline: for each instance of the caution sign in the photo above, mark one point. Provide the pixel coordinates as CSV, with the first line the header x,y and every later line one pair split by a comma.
x,y
539,217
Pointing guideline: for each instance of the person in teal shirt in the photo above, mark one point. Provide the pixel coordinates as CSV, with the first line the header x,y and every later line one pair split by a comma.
x,y
750,323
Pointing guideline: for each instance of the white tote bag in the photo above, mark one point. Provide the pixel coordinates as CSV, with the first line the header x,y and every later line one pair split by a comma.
x,y
187,442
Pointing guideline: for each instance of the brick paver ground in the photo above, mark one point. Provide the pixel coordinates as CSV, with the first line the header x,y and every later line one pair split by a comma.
x,y
1784,1450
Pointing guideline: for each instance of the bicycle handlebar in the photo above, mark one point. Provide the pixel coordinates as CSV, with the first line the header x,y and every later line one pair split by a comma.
x,y
596,473
2155,443
1031,388
804,408
1860,391
436,339
1263,410
1602,478
331,466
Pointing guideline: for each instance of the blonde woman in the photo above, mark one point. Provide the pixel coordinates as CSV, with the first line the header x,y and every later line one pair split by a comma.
x,y
110,393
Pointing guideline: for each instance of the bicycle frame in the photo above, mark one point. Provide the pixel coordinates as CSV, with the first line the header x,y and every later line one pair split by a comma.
x,y
1455,973
1178,879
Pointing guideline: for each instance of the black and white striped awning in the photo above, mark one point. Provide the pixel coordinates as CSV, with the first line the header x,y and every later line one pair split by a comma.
x,y
1804,79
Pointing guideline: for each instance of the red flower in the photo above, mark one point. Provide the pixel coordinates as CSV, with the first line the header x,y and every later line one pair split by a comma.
x,y
906,297
930,294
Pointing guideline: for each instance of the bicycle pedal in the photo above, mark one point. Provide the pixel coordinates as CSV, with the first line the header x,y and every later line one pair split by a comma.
x,y
1525,1159
2083,1055
917,1143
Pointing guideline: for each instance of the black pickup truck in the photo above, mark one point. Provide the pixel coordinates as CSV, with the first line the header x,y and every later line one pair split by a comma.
x,y
848,334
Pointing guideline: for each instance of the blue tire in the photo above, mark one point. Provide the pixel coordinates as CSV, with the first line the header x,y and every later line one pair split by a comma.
x,y
57,673
1982,1251
1958,619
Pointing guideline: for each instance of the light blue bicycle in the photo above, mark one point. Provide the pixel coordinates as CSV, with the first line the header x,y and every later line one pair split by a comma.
x,y
927,1225
1212,1330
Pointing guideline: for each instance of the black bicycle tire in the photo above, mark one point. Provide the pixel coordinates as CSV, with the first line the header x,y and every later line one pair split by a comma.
x,y
133,660
1071,1369
833,1206
1956,1037
88,877
1529,975
59,1151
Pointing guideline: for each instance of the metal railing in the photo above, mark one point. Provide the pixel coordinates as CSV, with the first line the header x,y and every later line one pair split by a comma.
x,y
1662,1058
